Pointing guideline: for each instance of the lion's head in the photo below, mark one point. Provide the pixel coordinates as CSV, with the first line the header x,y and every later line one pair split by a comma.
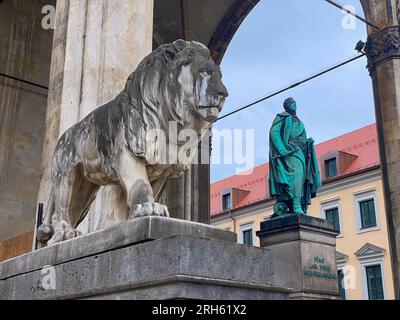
x,y
178,82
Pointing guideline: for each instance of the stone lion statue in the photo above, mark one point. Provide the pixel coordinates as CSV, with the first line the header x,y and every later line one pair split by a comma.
x,y
177,83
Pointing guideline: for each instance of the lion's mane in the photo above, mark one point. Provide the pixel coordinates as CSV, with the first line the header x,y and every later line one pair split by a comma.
x,y
151,92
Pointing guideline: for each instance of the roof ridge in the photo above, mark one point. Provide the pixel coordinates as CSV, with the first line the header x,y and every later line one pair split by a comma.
x,y
359,144
346,134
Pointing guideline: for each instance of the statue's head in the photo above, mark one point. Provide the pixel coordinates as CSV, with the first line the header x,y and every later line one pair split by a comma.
x,y
290,105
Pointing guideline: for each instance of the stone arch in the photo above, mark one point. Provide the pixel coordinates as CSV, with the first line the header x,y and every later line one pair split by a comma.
x,y
228,27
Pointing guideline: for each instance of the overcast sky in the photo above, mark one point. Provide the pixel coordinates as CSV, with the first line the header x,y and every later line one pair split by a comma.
x,y
283,41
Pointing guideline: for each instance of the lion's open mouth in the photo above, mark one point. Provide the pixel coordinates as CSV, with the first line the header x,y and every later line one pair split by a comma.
x,y
211,107
209,113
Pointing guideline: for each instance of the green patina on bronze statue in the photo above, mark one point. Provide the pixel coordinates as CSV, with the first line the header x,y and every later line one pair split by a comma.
x,y
293,168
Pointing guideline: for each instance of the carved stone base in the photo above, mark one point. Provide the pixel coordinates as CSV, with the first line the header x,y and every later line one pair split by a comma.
x,y
303,248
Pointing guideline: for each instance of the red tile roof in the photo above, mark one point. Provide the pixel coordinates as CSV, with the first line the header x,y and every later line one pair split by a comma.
x,y
362,142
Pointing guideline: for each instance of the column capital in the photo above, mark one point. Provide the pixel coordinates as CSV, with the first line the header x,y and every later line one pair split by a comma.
x,y
382,46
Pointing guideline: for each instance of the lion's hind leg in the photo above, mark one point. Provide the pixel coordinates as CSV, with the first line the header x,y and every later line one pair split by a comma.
x,y
67,206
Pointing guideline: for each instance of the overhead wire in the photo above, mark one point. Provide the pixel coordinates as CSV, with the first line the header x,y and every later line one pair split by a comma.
x,y
293,85
348,11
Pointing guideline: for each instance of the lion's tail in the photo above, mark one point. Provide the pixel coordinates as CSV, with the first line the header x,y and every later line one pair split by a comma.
x,y
46,230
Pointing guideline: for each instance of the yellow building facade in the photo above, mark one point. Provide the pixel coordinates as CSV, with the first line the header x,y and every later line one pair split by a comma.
x,y
362,244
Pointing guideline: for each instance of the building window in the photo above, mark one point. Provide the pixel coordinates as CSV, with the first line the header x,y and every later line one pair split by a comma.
x,y
246,234
372,270
330,168
332,215
367,213
331,211
342,290
374,282
345,276
226,201
248,237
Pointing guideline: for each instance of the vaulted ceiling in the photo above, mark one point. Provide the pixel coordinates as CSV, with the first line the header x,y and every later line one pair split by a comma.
x,y
210,22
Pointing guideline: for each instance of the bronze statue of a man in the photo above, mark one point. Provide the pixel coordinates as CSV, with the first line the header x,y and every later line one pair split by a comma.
x,y
293,168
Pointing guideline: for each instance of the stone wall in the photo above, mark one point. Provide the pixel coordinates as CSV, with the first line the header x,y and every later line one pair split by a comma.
x,y
25,53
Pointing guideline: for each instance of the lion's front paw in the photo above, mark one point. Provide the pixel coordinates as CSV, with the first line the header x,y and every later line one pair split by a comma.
x,y
149,209
64,234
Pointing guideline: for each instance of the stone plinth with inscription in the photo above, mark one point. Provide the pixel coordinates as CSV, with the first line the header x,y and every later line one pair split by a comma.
x,y
303,249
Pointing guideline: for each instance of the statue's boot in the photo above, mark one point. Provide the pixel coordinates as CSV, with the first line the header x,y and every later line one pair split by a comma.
x,y
297,209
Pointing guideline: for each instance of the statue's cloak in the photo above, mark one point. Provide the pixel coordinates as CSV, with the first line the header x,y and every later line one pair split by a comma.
x,y
278,178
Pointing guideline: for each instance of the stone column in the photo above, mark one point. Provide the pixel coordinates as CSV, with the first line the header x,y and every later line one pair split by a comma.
x,y
96,45
383,51
188,197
